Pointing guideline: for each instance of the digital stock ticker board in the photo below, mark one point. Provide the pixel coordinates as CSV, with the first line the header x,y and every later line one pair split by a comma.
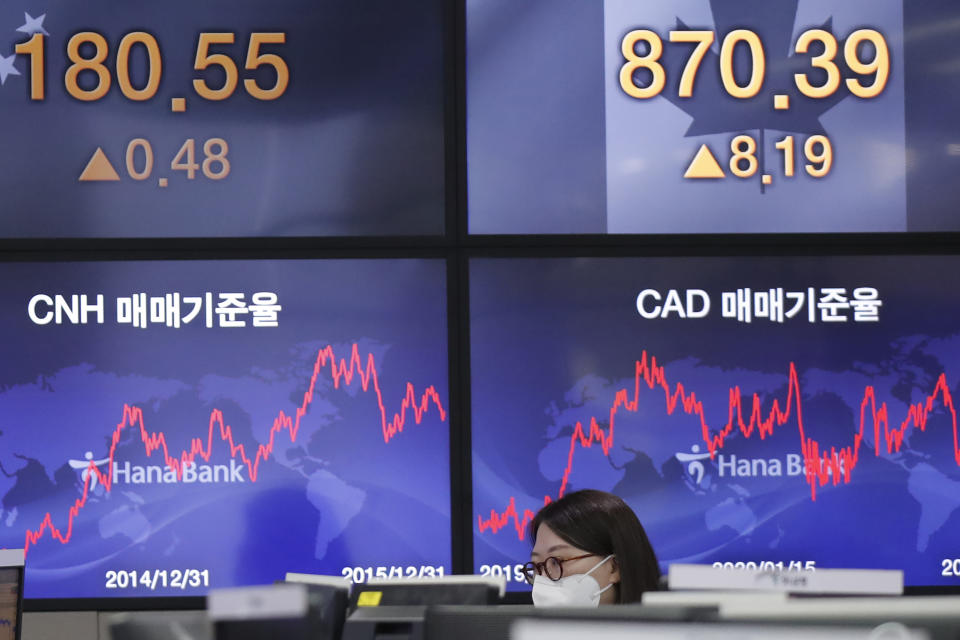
x,y
171,427
221,119
711,116
761,412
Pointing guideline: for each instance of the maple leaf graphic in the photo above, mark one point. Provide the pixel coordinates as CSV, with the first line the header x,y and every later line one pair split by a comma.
x,y
715,111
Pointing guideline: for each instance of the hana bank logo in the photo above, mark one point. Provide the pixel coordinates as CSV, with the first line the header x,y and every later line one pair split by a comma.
x,y
694,463
734,466
191,472
85,464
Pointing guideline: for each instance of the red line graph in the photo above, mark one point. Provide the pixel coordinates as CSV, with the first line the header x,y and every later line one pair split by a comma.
x,y
820,467
340,371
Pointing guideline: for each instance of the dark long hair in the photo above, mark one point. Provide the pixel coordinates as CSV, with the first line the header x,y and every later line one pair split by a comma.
x,y
603,524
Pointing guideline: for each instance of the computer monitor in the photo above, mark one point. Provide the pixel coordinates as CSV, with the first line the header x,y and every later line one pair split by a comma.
x,y
472,622
712,598
743,433
312,150
160,625
496,622
290,611
393,622
330,596
336,582
465,590
609,630
863,582
11,593
296,407
567,131
939,616
397,608
846,608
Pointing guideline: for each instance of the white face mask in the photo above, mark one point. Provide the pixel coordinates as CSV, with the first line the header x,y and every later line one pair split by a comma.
x,y
580,590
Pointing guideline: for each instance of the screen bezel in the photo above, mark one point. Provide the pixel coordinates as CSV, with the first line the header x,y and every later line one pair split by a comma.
x,y
451,291
873,246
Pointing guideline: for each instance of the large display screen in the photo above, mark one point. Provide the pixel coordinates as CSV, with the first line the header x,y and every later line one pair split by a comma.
x,y
711,116
170,427
222,119
775,412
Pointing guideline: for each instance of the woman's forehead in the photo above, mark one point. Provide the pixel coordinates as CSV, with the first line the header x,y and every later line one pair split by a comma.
x,y
549,542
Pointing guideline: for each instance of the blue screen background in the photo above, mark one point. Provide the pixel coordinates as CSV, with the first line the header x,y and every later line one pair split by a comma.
x,y
554,340
337,497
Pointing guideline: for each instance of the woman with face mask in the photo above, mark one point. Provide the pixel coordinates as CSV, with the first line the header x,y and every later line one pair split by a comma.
x,y
589,549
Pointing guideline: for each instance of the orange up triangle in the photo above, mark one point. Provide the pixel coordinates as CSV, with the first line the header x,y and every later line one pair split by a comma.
x,y
704,165
99,169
